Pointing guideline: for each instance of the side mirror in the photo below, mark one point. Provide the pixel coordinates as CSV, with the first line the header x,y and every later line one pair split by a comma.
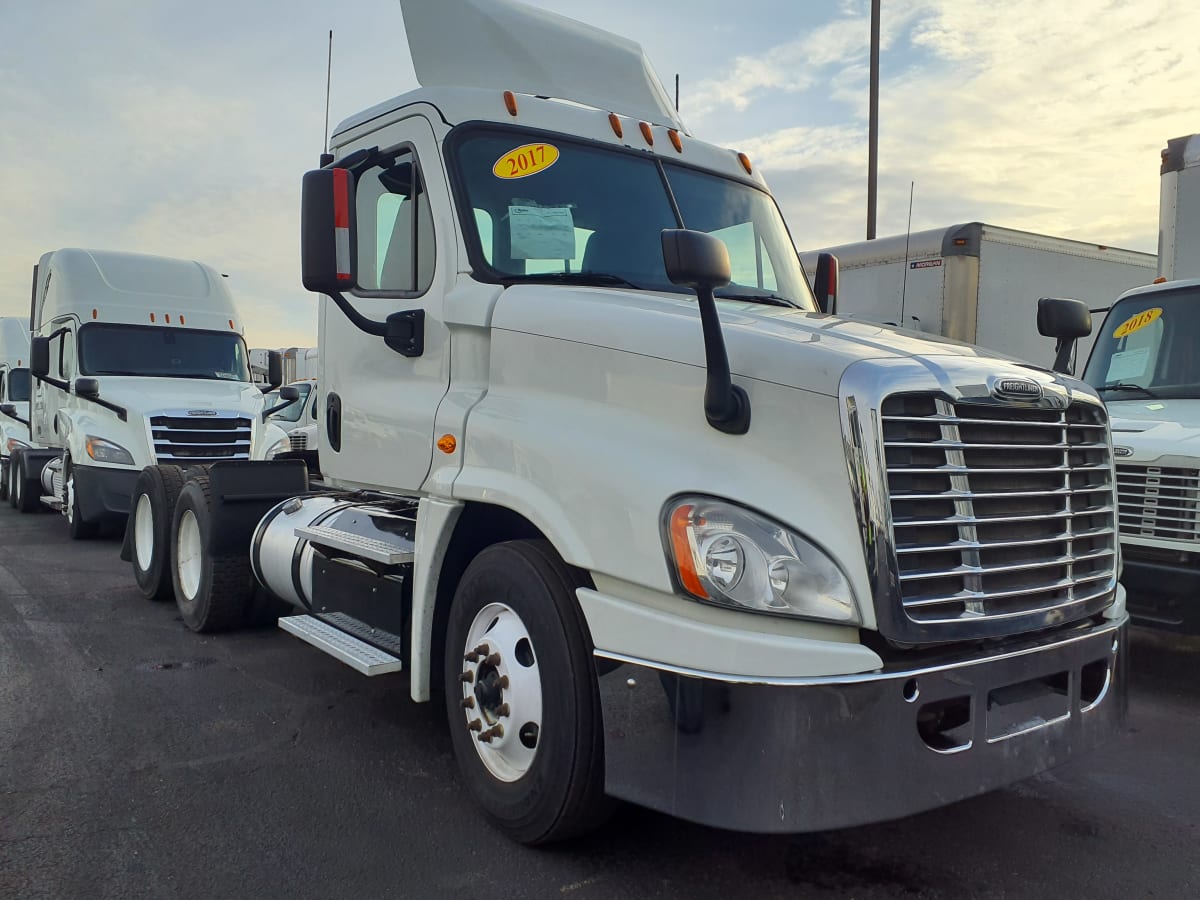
x,y
695,259
8,409
825,282
274,369
39,357
1066,320
290,393
328,245
87,388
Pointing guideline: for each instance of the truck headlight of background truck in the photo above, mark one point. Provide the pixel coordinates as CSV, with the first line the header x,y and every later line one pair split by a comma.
x,y
107,452
732,556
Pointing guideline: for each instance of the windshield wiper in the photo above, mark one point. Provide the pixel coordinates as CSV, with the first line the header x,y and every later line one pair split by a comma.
x,y
585,278
767,298
1126,386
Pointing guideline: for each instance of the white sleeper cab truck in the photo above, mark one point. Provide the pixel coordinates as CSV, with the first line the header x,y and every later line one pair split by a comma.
x,y
136,360
299,421
568,361
14,397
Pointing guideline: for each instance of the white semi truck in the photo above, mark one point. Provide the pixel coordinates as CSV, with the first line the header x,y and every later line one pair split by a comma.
x,y
979,283
136,360
1146,365
569,362
14,395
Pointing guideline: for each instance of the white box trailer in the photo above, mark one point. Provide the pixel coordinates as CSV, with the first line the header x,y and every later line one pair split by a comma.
x,y
979,283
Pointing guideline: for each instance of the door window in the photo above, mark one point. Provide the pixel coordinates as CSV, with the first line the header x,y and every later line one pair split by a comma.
x,y
395,228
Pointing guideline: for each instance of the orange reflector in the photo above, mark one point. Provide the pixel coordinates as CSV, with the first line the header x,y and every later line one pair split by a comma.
x,y
151,317
647,133
615,121
446,443
960,242
510,102
684,551
167,317
95,313
1159,280
181,321
675,141
231,323
745,161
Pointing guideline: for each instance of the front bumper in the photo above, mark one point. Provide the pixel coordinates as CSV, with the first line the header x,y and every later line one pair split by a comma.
x,y
104,494
791,755
1163,594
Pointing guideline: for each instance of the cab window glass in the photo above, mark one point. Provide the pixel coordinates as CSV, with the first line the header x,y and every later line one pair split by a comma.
x,y
395,228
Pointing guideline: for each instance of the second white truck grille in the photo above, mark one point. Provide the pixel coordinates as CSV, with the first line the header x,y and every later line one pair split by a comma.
x,y
1159,502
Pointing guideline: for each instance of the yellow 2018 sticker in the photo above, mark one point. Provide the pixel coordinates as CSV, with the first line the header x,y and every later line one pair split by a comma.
x,y
528,159
1135,323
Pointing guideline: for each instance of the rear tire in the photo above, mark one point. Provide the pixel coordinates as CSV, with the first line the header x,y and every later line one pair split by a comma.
x,y
28,489
518,598
150,517
4,478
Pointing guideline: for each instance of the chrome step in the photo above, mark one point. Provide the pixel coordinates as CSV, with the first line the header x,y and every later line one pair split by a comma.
x,y
358,655
365,547
52,502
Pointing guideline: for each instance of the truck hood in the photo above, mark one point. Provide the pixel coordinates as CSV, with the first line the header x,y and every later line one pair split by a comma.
x,y
142,396
1152,428
786,346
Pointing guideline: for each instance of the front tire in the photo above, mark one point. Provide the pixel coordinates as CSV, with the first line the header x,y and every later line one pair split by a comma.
x,y
521,695
154,499
213,593
79,528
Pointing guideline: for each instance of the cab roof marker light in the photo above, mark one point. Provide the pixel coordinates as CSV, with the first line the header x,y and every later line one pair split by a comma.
x,y
510,102
745,161
1159,280
151,317
95,313
231,323
167,318
181,319
647,133
676,142
341,225
615,121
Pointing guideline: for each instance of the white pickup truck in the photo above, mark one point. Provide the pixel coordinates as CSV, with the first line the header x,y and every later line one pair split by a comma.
x,y
603,479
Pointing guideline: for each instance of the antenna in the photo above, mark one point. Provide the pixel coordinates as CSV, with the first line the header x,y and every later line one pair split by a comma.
x,y
907,235
328,82
676,92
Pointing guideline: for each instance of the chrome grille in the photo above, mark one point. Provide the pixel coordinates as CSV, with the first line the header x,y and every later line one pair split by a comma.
x,y
200,439
998,511
1160,502
299,441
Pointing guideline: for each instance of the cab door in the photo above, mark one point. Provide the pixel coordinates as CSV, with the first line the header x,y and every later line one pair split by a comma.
x,y
378,405
48,399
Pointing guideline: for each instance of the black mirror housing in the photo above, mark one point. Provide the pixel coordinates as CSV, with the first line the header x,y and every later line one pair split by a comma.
x,y
39,357
328,244
290,393
695,259
825,282
8,409
274,369
1063,318
88,388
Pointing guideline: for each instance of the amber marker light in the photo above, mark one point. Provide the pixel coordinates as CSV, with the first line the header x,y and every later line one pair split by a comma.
x,y
647,133
167,317
1159,280
676,142
181,320
151,317
95,313
615,121
685,556
510,102
231,324
745,161
447,444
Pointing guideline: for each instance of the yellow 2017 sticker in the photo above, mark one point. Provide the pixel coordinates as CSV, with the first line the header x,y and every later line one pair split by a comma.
x,y
1135,323
528,159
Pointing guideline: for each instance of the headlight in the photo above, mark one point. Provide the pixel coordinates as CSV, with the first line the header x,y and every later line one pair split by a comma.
x,y
13,444
107,452
282,445
729,555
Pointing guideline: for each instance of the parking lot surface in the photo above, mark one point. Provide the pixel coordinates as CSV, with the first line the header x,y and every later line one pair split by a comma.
x,y
140,760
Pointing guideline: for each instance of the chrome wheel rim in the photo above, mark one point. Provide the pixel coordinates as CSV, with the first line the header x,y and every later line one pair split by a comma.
x,y
502,692
69,505
188,554
143,533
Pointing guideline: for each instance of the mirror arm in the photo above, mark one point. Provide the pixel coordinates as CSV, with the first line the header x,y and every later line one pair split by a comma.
x,y
1062,355
277,407
726,406
122,412
53,382
357,319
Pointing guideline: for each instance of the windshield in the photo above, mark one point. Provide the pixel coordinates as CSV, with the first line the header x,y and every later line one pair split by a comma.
x,y
18,385
150,351
1147,348
293,412
594,215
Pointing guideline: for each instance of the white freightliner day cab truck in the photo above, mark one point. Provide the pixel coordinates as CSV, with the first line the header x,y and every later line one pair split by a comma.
x,y
978,283
136,360
564,487
1146,365
14,396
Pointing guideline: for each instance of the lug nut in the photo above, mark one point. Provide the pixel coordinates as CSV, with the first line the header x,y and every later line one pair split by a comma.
x,y
466,677
497,730
493,660
482,650
502,710
468,703
502,683
475,725
471,657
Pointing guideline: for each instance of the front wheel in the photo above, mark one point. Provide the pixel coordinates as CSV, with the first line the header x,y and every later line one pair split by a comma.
x,y
79,528
154,499
522,697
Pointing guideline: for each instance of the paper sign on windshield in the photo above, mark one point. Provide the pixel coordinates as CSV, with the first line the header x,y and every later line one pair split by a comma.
x,y
1126,365
1134,323
525,160
541,232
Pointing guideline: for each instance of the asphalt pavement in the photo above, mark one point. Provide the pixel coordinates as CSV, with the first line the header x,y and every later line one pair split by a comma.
x,y
138,759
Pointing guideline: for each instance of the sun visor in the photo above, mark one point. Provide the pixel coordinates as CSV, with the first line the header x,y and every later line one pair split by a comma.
x,y
504,45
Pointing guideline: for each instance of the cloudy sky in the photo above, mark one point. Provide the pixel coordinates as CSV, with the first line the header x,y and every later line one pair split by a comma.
x,y
182,128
